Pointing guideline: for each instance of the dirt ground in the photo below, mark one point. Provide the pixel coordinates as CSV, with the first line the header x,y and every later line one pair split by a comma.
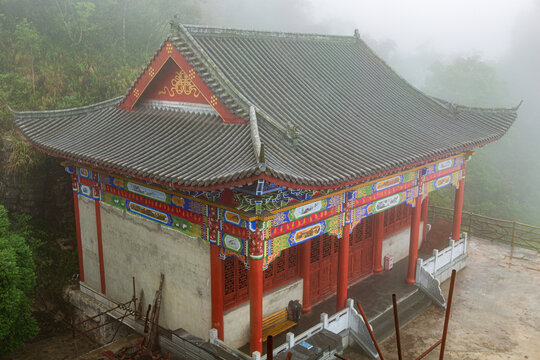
x,y
54,342
495,312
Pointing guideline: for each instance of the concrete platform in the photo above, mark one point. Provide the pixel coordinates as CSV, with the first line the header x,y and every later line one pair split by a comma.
x,y
375,295
494,312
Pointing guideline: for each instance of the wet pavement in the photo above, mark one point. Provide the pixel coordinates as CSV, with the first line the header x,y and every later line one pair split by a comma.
x,y
495,312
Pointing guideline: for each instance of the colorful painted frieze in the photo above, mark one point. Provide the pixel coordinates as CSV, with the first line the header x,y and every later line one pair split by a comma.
x,y
383,204
284,241
442,167
169,220
309,210
441,182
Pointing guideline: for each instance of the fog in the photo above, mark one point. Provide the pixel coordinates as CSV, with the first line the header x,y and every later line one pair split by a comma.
x,y
450,27
492,46
413,36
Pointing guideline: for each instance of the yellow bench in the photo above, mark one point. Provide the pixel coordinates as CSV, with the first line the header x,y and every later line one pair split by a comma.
x,y
276,323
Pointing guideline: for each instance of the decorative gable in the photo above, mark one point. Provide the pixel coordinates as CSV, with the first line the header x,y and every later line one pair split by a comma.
x,y
169,77
173,84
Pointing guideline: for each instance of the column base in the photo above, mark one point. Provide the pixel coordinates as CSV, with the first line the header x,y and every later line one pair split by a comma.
x,y
410,281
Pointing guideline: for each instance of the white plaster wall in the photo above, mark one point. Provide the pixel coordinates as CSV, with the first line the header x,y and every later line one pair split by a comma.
x,y
236,320
397,244
87,215
134,246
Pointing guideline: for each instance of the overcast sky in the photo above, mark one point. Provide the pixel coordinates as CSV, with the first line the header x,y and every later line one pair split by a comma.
x,y
453,27
472,26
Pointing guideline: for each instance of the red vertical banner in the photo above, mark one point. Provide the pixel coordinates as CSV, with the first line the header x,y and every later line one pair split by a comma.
x,y
378,234
255,275
413,243
216,270
423,216
458,207
75,187
305,268
100,246
343,268
255,304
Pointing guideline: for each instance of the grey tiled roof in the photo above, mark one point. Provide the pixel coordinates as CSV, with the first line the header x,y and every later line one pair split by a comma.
x,y
328,112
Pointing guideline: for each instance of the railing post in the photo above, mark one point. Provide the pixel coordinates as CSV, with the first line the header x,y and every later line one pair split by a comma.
x,y
213,336
256,355
513,239
324,320
452,246
290,339
435,258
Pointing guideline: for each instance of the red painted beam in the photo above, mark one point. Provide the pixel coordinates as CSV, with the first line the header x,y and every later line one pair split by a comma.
x,y
78,230
100,247
216,270
343,268
458,207
378,234
255,304
413,244
305,268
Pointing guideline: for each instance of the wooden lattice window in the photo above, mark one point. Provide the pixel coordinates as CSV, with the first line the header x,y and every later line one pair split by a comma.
x,y
362,231
235,276
397,218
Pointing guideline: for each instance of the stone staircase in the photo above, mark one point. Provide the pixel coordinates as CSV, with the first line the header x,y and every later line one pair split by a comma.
x,y
409,307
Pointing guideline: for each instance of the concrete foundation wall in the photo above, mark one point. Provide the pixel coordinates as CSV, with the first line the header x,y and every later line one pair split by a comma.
x,y
134,246
398,244
236,320
87,214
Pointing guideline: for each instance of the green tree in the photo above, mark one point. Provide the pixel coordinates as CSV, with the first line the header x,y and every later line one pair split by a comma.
x,y
17,281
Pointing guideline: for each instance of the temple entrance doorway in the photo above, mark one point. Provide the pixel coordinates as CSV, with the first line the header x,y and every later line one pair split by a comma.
x,y
361,251
324,259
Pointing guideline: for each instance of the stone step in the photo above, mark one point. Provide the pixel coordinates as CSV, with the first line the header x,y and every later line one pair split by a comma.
x,y
408,308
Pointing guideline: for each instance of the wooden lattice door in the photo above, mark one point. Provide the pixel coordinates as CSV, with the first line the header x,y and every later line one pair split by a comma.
x,y
323,274
361,250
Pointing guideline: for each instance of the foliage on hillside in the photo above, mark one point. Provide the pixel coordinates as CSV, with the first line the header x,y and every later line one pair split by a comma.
x,y
492,175
17,281
58,54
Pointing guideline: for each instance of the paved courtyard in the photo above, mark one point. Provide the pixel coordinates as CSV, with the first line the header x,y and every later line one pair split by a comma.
x,y
495,312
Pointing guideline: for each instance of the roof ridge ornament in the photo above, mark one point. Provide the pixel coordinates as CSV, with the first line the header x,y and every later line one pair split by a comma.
x,y
292,133
256,138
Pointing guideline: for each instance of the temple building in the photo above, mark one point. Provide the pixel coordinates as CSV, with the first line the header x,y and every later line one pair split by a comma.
x,y
253,168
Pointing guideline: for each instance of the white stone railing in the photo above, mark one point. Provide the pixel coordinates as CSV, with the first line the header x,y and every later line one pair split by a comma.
x,y
214,340
431,272
346,319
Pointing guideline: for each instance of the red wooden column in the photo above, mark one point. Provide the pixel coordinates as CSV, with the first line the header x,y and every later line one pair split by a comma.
x,y
255,291
98,232
378,232
75,187
413,243
305,268
423,216
458,206
216,272
343,260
